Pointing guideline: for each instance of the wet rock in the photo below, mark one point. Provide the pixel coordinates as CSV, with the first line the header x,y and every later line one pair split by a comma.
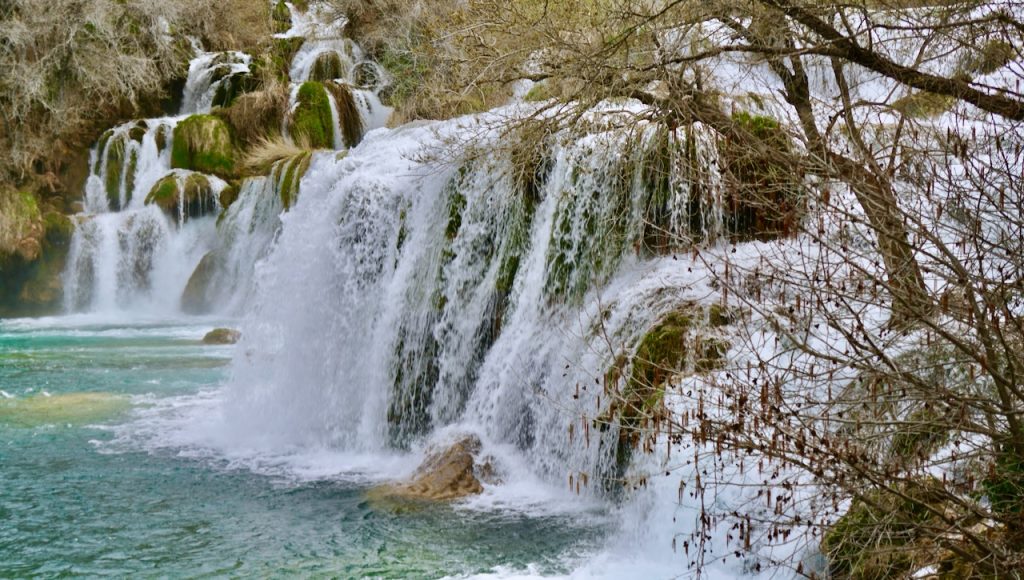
x,y
448,473
194,299
222,336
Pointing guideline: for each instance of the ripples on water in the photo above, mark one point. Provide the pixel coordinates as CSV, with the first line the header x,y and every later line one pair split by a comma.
x,y
102,474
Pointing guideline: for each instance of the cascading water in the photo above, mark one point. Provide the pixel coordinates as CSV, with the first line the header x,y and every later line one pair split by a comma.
x,y
405,300
126,253
395,300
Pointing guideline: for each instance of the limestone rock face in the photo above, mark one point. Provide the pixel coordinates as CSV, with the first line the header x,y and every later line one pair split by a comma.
x,y
447,473
222,336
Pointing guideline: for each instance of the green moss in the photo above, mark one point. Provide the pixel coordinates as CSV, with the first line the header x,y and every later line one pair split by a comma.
x,y
129,176
710,354
229,195
456,205
33,247
288,174
101,146
766,201
719,315
407,72
1004,484
137,132
312,120
282,53
59,228
204,143
538,92
164,193
192,193
115,167
327,67
281,17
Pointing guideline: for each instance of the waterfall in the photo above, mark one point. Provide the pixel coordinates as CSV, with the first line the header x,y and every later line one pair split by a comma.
x,y
402,298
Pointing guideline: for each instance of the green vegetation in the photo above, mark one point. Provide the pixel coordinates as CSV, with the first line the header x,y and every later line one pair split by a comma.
x,y
204,143
312,121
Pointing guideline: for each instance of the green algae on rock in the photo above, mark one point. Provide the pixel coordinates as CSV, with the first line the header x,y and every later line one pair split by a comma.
x,y
204,143
312,121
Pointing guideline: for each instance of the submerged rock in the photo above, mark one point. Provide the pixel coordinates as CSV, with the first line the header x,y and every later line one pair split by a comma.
x,y
447,473
222,336
61,409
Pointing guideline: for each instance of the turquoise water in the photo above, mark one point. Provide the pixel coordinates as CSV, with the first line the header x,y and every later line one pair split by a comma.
x,y
91,485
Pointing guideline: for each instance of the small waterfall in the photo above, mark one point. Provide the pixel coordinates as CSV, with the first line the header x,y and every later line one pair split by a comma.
x,y
143,229
209,74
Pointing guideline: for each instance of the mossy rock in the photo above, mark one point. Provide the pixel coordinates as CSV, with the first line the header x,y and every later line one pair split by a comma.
x,y
204,143
923,105
222,336
192,192
288,174
229,195
922,432
711,353
162,132
59,228
281,16
138,131
283,51
101,146
766,201
115,153
881,537
33,251
327,66
312,121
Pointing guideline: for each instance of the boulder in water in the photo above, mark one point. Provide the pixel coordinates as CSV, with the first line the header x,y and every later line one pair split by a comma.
x,y
194,299
222,336
447,473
